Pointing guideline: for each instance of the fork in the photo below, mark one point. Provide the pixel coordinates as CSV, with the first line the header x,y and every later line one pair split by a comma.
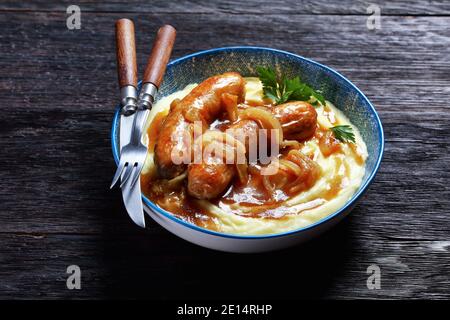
x,y
133,155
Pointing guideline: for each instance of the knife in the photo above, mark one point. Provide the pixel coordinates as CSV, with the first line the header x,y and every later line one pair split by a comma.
x,y
127,72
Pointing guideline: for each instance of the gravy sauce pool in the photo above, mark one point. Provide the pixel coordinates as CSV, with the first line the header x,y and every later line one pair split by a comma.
x,y
250,208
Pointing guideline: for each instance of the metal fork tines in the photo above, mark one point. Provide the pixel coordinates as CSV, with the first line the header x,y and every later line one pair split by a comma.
x,y
133,155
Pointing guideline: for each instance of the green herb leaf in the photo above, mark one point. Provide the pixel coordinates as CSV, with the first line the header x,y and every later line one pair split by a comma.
x,y
286,89
269,81
343,133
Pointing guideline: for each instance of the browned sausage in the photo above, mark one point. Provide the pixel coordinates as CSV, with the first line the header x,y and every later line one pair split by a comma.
x,y
247,128
203,104
298,120
208,179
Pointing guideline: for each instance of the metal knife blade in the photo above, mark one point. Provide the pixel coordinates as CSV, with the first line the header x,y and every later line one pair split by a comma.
x,y
131,196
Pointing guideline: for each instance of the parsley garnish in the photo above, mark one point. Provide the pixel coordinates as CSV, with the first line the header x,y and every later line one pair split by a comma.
x,y
343,133
283,90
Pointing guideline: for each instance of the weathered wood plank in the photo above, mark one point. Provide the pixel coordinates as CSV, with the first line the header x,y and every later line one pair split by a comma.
x,y
285,7
150,266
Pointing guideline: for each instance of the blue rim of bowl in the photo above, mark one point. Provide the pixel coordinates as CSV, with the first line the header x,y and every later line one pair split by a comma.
x,y
349,203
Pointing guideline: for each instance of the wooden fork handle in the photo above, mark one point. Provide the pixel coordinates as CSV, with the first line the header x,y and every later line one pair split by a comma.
x,y
126,53
160,55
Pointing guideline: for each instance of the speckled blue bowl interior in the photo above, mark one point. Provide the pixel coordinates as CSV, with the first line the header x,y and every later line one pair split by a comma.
x,y
197,67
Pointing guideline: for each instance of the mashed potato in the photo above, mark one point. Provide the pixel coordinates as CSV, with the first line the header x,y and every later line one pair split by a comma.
x,y
342,173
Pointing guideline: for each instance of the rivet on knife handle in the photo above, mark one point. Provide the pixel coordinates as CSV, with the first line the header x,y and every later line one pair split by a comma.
x,y
156,65
126,65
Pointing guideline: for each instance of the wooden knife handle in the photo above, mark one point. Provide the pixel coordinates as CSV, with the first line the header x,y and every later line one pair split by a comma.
x,y
160,55
126,53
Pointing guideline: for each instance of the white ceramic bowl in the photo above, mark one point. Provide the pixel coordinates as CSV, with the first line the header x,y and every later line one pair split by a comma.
x,y
336,88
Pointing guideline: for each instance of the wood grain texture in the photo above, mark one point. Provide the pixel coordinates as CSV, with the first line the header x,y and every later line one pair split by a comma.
x,y
160,55
259,7
60,90
126,53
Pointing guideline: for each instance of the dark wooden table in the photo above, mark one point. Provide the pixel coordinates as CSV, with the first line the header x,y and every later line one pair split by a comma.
x,y
58,89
